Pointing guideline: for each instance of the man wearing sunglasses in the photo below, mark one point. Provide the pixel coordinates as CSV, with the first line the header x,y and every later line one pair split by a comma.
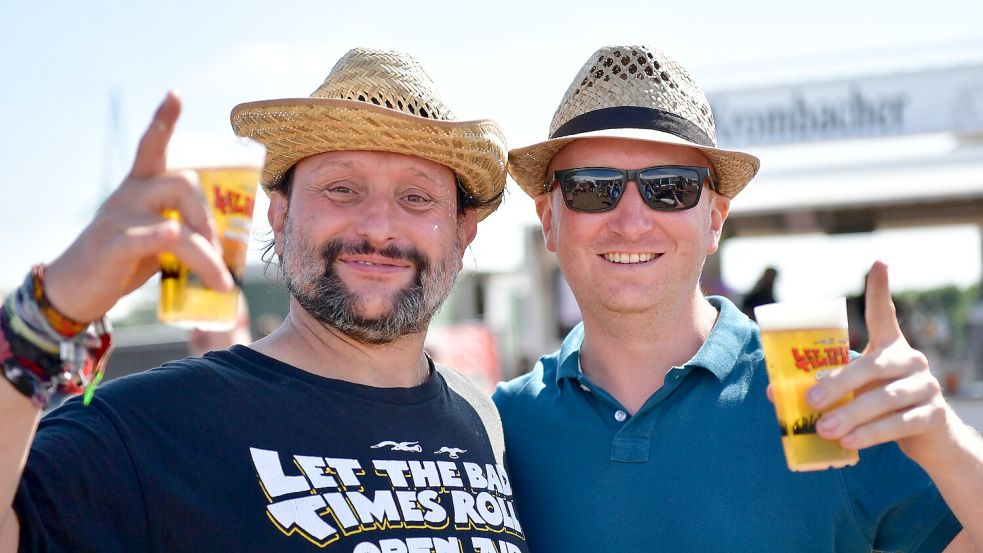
x,y
650,428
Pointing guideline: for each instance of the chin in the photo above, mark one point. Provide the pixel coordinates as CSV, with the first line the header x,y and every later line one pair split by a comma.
x,y
627,308
375,308
622,304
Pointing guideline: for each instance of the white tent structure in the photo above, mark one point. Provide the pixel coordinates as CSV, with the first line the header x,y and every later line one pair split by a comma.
x,y
890,151
859,185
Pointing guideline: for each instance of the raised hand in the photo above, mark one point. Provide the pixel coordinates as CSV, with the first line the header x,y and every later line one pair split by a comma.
x,y
118,251
896,397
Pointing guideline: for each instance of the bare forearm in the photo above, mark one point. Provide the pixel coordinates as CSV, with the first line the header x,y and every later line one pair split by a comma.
x,y
957,471
9,531
18,421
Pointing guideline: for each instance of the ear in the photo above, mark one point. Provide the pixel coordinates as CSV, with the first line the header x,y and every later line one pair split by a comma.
x,y
544,208
719,209
468,228
277,216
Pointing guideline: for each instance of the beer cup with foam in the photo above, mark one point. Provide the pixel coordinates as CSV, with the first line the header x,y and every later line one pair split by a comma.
x,y
803,343
229,172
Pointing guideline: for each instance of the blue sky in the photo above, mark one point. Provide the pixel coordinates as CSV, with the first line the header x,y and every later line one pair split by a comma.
x,y
510,61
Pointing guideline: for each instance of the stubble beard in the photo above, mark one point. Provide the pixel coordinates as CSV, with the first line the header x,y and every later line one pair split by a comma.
x,y
314,283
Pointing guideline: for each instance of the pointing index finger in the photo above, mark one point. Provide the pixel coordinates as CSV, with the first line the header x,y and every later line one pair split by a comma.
x,y
151,158
881,316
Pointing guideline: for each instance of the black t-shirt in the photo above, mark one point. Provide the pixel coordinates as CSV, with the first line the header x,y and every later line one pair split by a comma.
x,y
240,452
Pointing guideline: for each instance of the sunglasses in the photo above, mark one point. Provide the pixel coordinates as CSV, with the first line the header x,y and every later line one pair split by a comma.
x,y
663,188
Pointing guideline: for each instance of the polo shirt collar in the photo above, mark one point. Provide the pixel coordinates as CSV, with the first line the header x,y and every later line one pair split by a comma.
x,y
718,354
721,350
568,360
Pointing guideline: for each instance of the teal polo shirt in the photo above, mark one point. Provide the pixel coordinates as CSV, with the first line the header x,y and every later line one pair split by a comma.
x,y
699,467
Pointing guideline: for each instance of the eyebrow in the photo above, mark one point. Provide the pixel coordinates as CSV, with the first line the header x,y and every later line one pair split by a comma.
x,y
344,163
351,165
329,169
421,173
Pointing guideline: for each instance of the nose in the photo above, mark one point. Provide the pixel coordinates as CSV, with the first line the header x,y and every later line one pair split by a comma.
x,y
376,222
631,217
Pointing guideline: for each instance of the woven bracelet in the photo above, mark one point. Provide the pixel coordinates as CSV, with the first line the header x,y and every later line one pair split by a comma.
x,y
23,319
33,333
25,375
83,362
24,346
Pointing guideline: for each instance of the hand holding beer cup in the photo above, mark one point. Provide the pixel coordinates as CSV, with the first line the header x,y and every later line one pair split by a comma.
x,y
119,250
228,171
897,398
804,342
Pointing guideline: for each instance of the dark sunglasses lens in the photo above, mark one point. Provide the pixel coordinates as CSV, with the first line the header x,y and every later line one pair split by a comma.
x,y
592,189
670,188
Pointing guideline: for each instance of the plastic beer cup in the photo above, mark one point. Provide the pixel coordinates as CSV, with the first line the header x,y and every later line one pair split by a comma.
x,y
803,343
229,172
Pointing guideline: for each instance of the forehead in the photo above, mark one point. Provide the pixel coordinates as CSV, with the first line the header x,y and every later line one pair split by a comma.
x,y
378,164
624,154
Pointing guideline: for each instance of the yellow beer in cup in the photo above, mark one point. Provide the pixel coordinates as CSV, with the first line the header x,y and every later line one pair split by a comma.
x,y
804,343
230,188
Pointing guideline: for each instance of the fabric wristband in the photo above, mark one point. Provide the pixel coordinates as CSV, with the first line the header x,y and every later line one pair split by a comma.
x,y
42,351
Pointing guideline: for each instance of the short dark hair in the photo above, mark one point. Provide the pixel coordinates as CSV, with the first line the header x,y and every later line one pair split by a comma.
x,y
465,201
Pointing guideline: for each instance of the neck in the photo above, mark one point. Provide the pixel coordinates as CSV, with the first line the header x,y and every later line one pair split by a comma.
x,y
629,354
308,344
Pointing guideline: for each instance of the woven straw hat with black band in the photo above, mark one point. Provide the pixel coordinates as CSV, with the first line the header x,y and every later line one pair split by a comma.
x,y
633,92
379,101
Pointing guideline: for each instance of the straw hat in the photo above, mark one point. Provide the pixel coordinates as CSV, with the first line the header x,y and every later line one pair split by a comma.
x,y
380,101
639,93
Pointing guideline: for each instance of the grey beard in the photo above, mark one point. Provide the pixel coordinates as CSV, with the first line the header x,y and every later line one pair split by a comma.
x,y
329,301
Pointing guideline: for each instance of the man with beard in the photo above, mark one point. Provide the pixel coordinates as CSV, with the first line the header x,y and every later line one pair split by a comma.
x,y
335,431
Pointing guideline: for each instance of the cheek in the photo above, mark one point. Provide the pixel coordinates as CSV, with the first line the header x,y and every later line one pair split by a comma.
x,y
700,230
434,238
322,222
573,234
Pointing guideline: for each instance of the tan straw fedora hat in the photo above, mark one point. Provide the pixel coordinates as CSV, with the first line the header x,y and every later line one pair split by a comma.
x,y
381,101
639,93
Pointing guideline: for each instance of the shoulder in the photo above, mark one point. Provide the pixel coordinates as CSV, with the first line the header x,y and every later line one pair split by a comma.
x,y
463,387
526,388
482,405
171,373
177,386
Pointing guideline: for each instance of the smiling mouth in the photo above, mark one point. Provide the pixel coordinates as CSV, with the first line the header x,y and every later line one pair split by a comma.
x,y
376,263
629,258
371,264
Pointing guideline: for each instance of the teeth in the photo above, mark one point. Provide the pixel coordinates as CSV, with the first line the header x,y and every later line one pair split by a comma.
x,y
365,263
629,257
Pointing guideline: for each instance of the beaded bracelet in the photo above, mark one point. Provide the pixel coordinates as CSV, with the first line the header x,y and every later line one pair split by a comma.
x,y
43,352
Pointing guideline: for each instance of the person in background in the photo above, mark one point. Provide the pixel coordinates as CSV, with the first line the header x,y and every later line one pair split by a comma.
x,y
763,292
201,341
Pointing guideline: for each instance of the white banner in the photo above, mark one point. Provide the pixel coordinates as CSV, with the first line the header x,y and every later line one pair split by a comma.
x,y
944,100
